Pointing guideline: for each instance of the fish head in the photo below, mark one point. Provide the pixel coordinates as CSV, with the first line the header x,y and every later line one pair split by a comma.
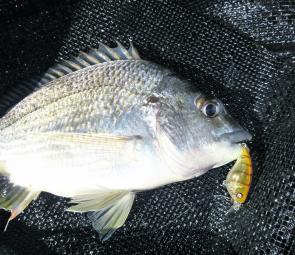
x,y
196,133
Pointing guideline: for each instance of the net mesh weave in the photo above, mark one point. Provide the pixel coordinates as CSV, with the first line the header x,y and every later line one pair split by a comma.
x,y
239,51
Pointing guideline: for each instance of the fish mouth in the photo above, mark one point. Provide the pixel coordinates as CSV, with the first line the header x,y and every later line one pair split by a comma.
x,y
236,136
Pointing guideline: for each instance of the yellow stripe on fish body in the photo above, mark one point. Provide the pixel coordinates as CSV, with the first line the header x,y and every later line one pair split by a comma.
x,y
239,178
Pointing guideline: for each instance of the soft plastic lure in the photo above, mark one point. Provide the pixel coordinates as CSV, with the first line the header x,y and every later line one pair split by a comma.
x,y
239,178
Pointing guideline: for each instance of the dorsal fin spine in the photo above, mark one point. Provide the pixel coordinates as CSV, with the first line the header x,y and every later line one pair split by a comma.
x,y
109,51
55,72
133,51
64,68
71,64
50,76
89,58
81,62
124,52
100,55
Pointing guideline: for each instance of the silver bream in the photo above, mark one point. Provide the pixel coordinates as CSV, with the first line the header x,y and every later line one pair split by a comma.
x,y
106,125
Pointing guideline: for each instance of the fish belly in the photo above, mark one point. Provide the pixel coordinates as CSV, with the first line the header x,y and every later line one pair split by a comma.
x,y
71,172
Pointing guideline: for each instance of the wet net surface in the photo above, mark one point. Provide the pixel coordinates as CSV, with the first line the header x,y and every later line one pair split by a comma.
x,y
240,51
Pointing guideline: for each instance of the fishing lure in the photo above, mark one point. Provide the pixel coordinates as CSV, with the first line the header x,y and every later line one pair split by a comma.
x,y
238,180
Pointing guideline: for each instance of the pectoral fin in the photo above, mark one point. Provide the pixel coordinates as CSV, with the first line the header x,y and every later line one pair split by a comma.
x,y
110,210
100,142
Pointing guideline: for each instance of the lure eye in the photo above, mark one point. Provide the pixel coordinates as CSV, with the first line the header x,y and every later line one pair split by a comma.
x,y
210,109
239,195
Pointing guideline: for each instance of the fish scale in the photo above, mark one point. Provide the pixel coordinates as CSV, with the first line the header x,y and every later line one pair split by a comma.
x,y
68,106
114,73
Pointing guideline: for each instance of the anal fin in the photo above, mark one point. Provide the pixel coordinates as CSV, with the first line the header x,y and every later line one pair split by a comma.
x,y
108,210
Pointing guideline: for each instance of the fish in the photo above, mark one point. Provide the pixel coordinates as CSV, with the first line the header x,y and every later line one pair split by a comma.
x,y
106,125
239,178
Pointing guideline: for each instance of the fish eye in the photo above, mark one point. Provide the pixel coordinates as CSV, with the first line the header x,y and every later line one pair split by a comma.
x,y
211,108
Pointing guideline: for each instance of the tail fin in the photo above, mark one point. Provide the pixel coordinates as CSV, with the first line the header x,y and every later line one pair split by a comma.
x,y
14,198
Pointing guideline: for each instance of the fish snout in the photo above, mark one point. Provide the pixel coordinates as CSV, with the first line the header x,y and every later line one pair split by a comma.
x,y
236,136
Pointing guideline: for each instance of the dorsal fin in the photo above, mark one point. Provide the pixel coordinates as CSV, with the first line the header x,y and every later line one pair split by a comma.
x,y
95,56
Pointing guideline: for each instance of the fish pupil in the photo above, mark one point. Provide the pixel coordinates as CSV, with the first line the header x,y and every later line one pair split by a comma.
x,y
211,110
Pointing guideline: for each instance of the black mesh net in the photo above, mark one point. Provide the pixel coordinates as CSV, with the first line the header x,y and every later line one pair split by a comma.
x,y
243,52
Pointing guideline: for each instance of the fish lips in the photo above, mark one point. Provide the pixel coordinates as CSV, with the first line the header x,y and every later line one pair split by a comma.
x,y
236,136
